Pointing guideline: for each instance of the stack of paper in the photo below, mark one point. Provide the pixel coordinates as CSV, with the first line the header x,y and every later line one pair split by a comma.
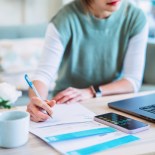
x,y
72,136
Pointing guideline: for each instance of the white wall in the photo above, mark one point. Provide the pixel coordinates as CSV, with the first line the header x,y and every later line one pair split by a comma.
x,y
35,11
14,12
55,5
41,10
10,11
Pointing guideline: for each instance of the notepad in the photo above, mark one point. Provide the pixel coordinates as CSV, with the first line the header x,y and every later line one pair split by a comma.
x,y
65,114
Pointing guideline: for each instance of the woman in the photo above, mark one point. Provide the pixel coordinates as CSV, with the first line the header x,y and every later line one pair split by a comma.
x,y
97,47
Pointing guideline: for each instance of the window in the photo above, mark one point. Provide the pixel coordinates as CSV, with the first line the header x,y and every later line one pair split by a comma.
x,y
148,7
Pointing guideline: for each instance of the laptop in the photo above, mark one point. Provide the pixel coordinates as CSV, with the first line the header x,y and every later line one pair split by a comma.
x,y
142,106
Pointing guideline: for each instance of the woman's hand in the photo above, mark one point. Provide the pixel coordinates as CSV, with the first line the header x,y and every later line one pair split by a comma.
x,y
73,95
36,108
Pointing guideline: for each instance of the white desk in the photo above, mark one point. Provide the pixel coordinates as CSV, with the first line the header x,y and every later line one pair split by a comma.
x,y
146,145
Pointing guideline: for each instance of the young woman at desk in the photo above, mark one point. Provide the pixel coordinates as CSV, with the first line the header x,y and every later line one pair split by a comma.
x,y
97,47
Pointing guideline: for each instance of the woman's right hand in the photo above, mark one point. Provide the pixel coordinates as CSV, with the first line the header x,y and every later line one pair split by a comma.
x,y
36,108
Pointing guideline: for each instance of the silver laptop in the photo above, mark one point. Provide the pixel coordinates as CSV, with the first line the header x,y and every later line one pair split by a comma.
x,y
142,106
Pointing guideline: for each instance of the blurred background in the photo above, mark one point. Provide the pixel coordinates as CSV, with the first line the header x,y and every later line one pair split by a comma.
x,y
22,28
14,12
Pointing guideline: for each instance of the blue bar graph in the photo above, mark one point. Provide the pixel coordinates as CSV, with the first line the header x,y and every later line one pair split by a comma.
x,y
104,146
79,134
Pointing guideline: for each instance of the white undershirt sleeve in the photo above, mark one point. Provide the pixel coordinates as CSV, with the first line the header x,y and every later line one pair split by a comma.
x,y
53,51
134,61
51,56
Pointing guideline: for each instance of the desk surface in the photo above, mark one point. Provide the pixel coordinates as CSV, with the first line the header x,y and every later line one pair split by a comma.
x,y
99,105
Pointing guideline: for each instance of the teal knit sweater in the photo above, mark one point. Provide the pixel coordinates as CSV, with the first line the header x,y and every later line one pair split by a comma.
x,y
94,48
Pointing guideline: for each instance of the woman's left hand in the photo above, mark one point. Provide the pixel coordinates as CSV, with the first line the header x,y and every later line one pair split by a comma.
x,y
73,95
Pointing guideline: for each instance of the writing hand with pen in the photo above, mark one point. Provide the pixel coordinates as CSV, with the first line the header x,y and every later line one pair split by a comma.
x,y
39,109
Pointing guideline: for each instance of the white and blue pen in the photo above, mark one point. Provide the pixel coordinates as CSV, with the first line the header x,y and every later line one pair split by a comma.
x,y
31,85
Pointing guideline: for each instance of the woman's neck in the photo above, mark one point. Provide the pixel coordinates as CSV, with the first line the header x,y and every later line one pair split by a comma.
x,y
99,13
103,10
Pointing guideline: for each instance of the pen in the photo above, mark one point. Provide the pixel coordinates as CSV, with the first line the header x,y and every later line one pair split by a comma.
x,y
31,85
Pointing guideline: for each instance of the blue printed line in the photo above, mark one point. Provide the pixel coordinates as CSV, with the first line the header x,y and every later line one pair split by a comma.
x,y
103,146
79,134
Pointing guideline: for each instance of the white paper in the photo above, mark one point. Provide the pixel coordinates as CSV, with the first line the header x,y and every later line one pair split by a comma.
x,y
66,146
69,119
65,114
64,128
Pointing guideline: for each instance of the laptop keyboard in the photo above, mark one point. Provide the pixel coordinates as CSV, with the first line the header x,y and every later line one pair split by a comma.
x,y
150,108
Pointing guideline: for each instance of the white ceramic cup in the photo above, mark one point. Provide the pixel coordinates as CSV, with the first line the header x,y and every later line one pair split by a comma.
x,y
14,128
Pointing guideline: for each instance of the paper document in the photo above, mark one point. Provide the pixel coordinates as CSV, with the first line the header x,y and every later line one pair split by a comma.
x,y
72,131
82,138
66,113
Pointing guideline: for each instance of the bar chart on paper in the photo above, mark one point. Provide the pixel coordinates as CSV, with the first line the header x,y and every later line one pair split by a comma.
x,y
79,137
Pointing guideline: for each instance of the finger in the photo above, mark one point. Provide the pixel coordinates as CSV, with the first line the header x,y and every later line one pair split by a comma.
x,y
29,109
42,105
76,99
51,103
62,93
33,117
71,93
46,100
68,97
37,101
37,119
37,112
